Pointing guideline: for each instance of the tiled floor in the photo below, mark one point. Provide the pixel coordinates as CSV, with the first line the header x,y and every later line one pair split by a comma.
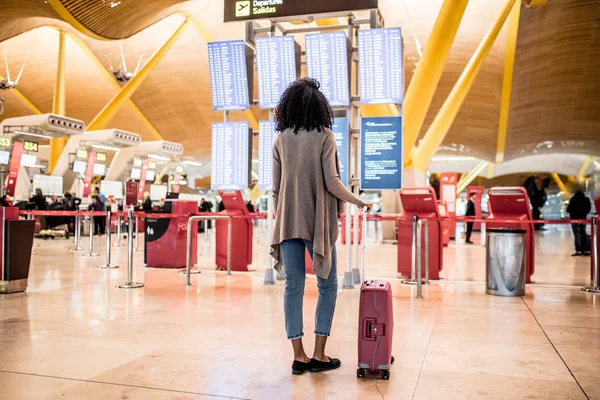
x,y
73,335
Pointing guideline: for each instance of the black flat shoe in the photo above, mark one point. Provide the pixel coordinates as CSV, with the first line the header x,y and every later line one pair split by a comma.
x,y
320,366
576,254
298,367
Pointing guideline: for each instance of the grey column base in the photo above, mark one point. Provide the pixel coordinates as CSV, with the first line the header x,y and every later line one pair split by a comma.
x,y
76,249
348,282
281,275
91,255
192,272
16,286
356,276
269,276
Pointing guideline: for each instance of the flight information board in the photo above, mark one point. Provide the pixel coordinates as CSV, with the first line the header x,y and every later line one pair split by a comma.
x,y
230,156
278,65
328,61
266,137
380,65
229,80
381,153
340,129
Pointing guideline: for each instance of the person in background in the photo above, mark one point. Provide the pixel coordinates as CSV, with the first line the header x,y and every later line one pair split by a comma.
x,y
147,205
101,196
40,204
221,206
99,222
308,197
470,213
161,205
250,206
5,201
579,207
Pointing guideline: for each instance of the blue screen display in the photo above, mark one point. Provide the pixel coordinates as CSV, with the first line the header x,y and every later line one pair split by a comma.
x,y
230,156
340,129
228,75
380,63
381,153
327,61
276,65
266,137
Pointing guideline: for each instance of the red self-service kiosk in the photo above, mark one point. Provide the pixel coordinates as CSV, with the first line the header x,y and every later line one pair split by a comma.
x,y
422,203
512,203
478,190
443,210
165,239
241,235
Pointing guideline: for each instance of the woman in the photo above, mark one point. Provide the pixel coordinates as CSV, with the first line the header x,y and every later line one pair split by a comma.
x,y
307,196
98,206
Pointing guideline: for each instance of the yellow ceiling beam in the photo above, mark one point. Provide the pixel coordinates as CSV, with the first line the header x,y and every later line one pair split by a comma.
x,y
490,170
584,167
111,80
429,70
559,183
471,176
59,103
509,65
112,108
62,12
443,120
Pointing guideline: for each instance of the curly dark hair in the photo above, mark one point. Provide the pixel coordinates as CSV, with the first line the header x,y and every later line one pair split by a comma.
x,y
303,106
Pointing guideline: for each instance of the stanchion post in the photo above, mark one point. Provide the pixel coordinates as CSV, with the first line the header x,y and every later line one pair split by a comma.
x,y
188,255
413,261
108,265
348,282
426,252
137,233
595,288
119,221
77,227
91,253
130,284
419,250
33,252
269,272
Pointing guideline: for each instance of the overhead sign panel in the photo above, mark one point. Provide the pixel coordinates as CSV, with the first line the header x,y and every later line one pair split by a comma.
x,y
238,10
328,61
380,64
266,137
278,65
381,153
230,155
340,129
230,85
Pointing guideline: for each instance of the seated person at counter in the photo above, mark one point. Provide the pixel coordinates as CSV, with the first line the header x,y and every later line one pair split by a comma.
x,y
6,201
147,205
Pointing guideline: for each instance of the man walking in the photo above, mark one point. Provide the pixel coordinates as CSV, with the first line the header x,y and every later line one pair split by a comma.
x,y
470,213
579,207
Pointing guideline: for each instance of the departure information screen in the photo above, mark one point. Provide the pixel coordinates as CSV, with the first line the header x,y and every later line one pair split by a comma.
x,y
230,155
327,61
381,153
380,65
340,129
277,64
266,137
228,75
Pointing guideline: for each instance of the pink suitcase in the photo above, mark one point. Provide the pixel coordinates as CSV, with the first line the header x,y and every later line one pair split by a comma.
x,y
375,324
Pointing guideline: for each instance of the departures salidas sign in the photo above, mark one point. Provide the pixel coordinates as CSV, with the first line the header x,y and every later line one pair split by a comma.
x,y
238,10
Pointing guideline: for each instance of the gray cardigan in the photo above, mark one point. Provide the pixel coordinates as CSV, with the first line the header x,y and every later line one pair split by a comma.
x,y
308,194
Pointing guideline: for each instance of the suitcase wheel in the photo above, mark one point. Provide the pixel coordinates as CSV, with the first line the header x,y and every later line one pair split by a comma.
x,y
385,374
393,360
360,373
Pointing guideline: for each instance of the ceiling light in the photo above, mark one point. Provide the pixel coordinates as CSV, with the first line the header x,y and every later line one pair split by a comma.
x,y
192,163
157,157
37,166
35,135
103,147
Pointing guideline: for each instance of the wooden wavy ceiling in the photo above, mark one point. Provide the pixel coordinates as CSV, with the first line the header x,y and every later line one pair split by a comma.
x,y
176,96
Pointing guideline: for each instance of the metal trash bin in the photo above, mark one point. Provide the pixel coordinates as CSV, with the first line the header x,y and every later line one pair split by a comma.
x,y
505,262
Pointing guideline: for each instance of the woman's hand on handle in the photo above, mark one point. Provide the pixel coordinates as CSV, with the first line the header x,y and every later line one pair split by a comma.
x,y
368,205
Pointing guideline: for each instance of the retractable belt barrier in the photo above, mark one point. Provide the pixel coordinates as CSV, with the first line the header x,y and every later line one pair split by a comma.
x,y
416,262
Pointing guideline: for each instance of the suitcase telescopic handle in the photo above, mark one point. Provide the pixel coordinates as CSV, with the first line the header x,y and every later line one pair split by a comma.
x,y
364,241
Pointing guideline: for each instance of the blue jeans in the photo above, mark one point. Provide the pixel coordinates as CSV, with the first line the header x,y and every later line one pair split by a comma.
x,y
292,254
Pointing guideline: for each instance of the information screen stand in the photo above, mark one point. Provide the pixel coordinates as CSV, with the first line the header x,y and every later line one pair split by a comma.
x,y
421,202
512,203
